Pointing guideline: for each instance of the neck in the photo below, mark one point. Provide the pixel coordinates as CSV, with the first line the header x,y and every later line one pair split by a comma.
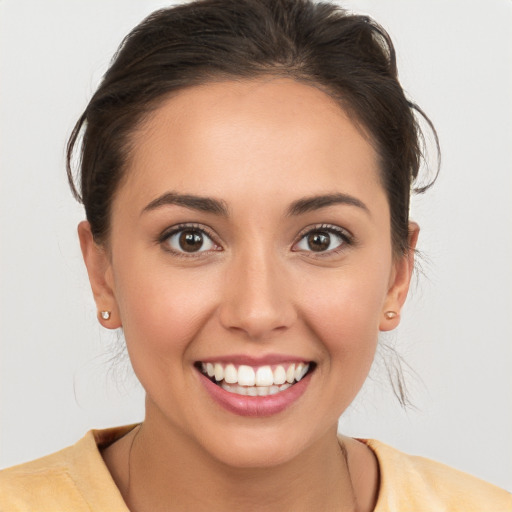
x,y
167,471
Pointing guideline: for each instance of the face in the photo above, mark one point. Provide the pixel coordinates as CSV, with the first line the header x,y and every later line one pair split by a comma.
x,y
250,237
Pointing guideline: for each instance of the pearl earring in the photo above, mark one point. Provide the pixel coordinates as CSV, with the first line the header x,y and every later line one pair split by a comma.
x,y
105,315
390,314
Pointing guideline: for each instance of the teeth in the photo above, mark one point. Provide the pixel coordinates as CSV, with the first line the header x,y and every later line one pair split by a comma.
x,y
246,376
279,375
254,390
219,372
300,371
290,374
262,390
230,374
261,377
264,376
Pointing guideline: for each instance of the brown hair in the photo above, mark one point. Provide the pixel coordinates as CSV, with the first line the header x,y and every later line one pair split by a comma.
x,y
349,56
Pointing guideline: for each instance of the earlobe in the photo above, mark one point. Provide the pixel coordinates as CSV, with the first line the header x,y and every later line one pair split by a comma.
x,y
98,265
399,286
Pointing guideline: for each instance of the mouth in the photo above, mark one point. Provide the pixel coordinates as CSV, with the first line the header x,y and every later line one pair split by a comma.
x,y
264,380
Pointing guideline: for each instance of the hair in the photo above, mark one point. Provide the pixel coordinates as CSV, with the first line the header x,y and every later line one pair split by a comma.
x,y
348,56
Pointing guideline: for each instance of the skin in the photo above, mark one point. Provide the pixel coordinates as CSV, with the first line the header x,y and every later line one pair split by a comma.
x,y
257,146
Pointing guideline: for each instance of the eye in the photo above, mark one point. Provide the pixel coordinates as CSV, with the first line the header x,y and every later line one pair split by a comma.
x,y
323,239
188,240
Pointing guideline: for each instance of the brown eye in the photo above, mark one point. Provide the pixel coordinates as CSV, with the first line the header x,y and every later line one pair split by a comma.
x,y
318,241
323,240
189,240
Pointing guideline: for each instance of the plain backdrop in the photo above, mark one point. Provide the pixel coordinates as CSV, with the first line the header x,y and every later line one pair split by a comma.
x,y
56,376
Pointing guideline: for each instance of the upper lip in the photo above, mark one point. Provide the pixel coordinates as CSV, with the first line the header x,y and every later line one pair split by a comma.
x,y
243,359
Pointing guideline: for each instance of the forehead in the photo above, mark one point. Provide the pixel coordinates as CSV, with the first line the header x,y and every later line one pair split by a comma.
x,y
257,137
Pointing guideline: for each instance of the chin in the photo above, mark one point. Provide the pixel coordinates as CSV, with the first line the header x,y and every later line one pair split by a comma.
x,y
260,446
252,453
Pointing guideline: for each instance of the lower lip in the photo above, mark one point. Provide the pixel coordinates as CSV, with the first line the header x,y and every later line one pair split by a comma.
x,y
255,405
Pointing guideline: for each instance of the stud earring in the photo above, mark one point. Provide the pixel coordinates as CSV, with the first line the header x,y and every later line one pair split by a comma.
x,y
390,314
105,315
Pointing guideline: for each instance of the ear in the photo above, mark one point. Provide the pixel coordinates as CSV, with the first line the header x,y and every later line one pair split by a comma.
x,y
399,283
99,269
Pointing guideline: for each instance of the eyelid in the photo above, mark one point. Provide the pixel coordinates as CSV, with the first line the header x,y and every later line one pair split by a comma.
x,y
325,227
172,230
347,237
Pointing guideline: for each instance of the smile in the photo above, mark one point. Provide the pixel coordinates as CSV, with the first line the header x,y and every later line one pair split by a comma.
x,y
255,380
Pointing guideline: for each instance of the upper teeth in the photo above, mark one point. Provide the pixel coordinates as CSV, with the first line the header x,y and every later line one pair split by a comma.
x,y
255,376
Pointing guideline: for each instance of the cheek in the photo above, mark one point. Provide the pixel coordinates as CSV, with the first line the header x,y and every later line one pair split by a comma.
x,y
162,310
343,310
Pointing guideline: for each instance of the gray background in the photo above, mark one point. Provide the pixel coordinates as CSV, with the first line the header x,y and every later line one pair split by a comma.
x,y
56,380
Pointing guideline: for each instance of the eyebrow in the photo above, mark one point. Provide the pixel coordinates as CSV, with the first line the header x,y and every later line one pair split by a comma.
x,y
308,204
203,204
217,207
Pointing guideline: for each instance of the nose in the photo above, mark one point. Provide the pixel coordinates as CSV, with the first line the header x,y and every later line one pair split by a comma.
x,y
257,298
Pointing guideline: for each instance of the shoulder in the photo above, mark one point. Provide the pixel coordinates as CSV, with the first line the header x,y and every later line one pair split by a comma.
x,y
72,479
409,482
41,485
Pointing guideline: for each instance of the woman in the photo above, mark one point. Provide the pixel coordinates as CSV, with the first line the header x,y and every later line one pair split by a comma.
x,y
246,170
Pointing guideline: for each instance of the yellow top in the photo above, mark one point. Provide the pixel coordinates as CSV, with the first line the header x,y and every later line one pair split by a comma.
x,y
77,480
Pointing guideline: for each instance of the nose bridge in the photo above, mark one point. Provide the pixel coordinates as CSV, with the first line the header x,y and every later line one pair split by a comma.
x,y
257,299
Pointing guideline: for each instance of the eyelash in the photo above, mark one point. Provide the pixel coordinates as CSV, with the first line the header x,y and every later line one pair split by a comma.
x,y
347,238
167,234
